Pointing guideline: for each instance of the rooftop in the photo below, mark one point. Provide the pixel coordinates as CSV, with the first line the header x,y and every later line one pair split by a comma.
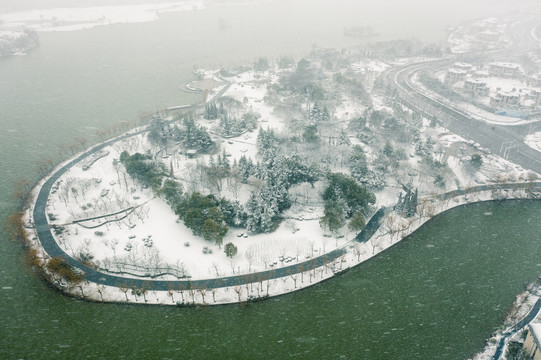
x,y
505,64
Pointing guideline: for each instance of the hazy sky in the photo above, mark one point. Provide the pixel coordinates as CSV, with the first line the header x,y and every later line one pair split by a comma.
x,y
17,5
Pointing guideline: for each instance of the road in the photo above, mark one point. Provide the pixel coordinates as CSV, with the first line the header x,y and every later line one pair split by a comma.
x,y
504,140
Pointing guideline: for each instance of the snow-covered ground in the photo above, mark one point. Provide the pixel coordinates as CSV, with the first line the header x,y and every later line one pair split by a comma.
x,y
77,18
471,110
98,213
534,141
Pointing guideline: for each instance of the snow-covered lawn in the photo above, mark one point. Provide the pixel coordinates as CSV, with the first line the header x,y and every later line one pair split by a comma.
x,y
534,141
99,214
143,230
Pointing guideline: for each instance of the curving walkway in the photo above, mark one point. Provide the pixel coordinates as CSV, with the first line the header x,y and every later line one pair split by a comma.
x,y
518,326
52,248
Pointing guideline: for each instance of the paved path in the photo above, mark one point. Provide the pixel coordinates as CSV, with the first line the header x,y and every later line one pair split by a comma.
x,y
518,326
456,120
52,248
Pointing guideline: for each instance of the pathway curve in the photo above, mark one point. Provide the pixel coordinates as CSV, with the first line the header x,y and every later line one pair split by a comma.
x,y
518,326
52,248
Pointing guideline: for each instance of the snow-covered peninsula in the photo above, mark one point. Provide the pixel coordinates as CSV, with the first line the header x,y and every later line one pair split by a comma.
x,y
261,190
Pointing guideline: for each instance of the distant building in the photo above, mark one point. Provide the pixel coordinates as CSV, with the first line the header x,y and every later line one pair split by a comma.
x,y
503,69
455,75
534,96
504,99
481,74
463,66
536,80
532,345
476,87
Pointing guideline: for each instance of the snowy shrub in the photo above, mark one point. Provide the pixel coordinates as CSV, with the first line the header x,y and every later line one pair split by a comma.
x,y
206,250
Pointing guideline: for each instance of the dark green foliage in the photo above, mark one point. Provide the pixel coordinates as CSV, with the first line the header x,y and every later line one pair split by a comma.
x,y
211,111
266,140
344,198
158,130
439,181
515,351
298,171
214,227
424,148
310,134
334,215
318,115
230,250
476,161
263,209
245,168
192,136
209,217
407,204
358,166
356,222
143,169
172,192
231,126
233,212
388,149
356,197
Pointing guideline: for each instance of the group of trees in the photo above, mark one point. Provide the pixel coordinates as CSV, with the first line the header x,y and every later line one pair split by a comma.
x,y
232,126
345,199
189,135
407,204
360,171
209,217
278,172
144,169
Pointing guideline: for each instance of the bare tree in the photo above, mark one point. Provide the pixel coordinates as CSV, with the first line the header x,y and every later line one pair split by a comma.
x,y
203,292
238,290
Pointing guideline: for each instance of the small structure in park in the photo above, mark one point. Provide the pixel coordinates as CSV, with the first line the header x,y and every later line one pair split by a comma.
x,y
192,153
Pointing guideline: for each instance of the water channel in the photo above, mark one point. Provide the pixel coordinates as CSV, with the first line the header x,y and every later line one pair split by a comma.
x,y
437,295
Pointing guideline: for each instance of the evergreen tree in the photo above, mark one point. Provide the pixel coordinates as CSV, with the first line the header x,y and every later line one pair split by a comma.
x,y
230,250
356,223
334,215
253,214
